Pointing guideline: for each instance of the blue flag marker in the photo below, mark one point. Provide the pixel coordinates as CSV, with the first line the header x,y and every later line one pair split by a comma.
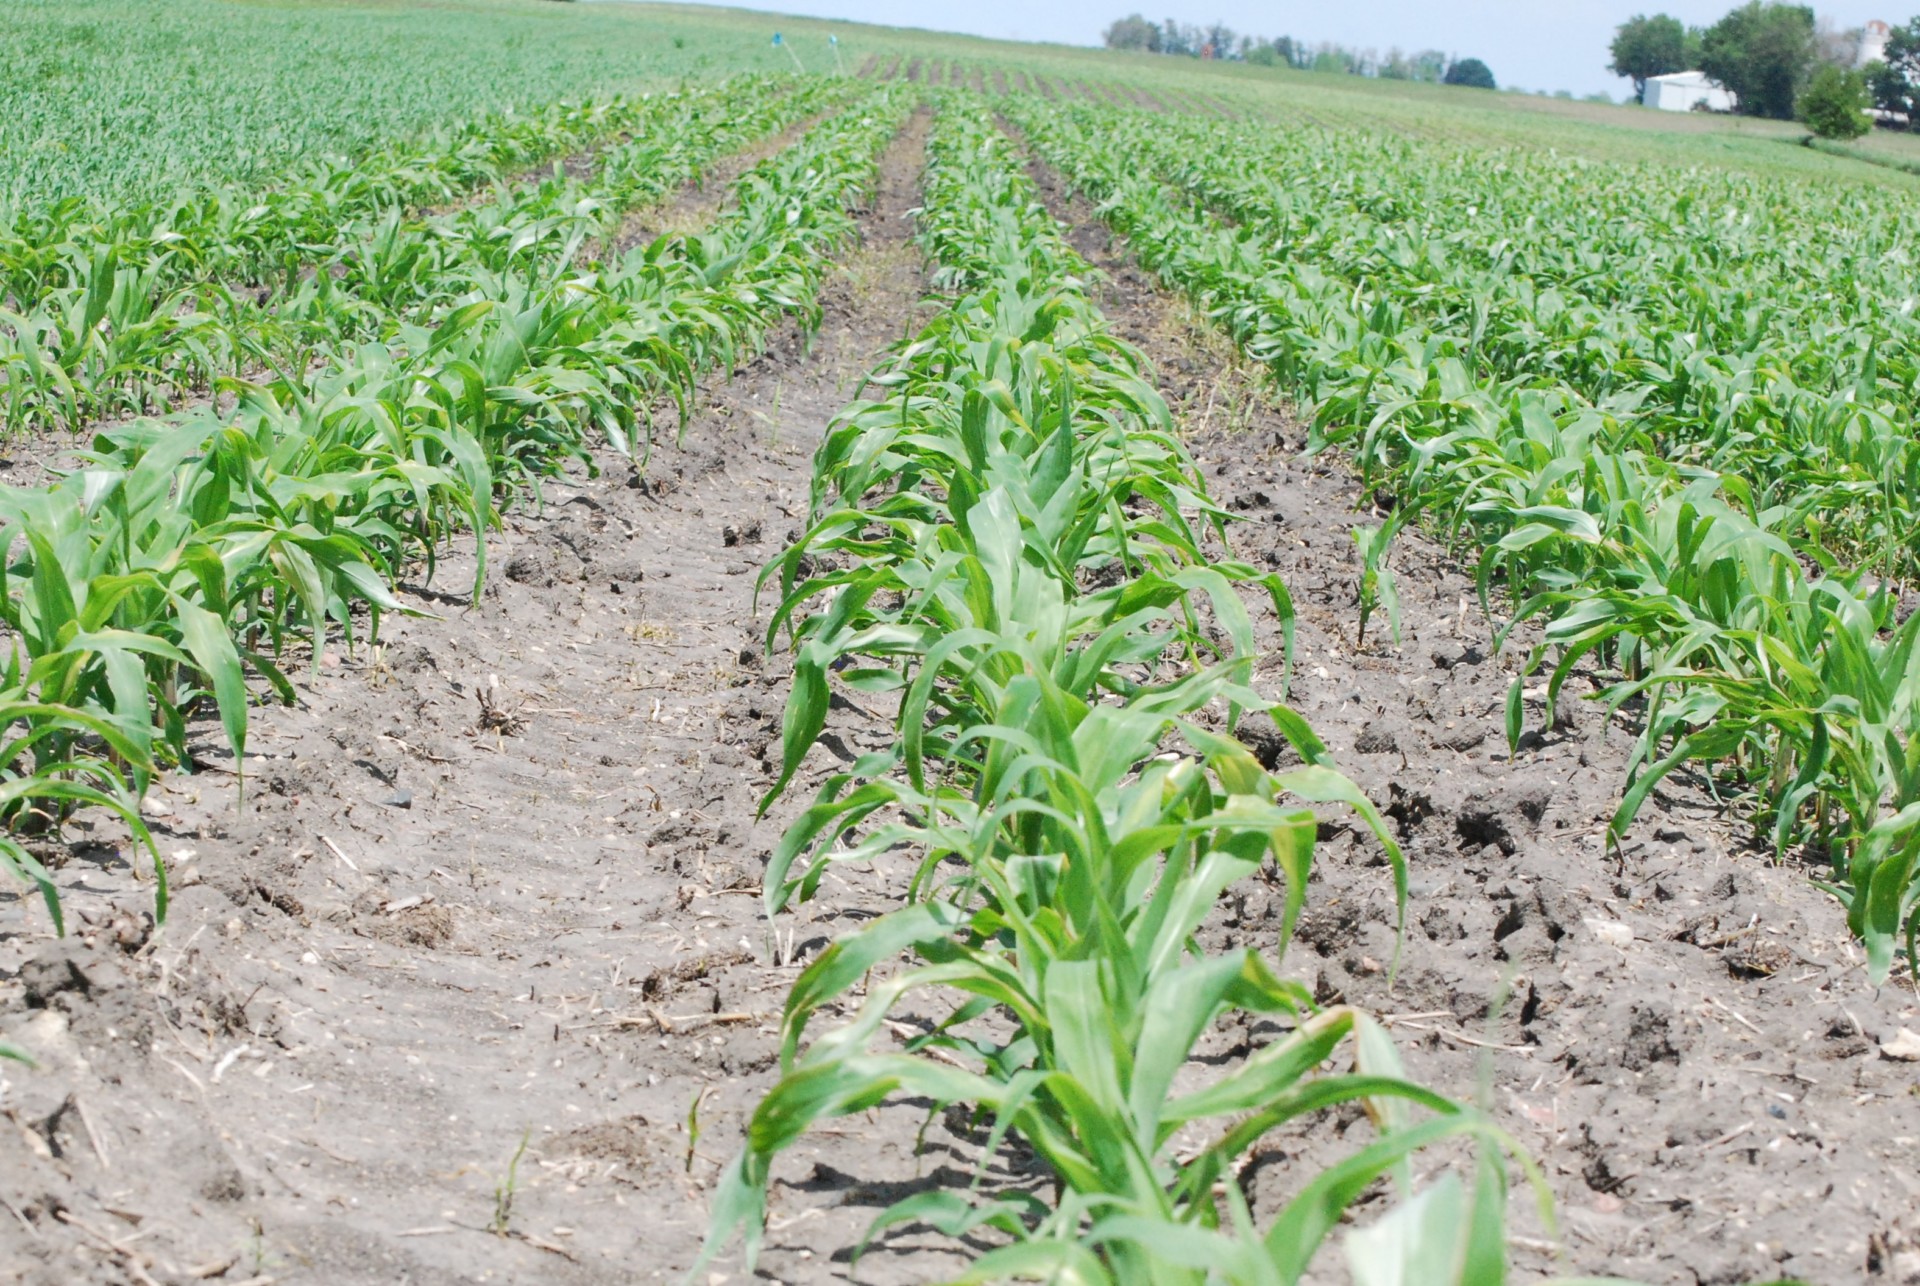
x,y
778,43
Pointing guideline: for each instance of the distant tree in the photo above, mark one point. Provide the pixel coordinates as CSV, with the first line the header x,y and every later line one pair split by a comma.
x,y
1835,102
1891,88
1338,58
1472,73
1219,38
1645,47
1133,32
1327,58
1430,65
1763,52
1895,81
1836,45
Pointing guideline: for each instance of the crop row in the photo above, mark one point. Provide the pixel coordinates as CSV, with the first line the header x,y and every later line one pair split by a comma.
x,y
1714,322
186,551
1743,643
121,327
125,102
1006,547
249,236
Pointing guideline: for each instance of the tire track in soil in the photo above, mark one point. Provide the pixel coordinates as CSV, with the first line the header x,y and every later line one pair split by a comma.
x,y
442,925
1707,1100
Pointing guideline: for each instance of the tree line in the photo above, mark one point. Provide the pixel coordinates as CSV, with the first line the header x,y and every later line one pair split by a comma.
x,y
1218,40
1780,61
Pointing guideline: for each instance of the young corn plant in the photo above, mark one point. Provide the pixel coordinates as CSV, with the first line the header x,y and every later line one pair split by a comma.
x,y
1022,524
1001,543
142,588
128,312
49,766
1377,590
1079,881
1724,526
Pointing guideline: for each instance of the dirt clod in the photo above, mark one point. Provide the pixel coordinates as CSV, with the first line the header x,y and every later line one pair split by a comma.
x,y
54,972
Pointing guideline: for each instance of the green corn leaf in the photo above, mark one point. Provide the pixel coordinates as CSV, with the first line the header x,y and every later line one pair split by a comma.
x,y
206,639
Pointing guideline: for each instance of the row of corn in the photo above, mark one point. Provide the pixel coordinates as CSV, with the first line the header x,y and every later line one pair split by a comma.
x,y
1006,549
187,553
121,318
1746,620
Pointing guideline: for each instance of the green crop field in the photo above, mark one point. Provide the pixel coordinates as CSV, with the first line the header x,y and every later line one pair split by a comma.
x,y
132,100
122,102
320,296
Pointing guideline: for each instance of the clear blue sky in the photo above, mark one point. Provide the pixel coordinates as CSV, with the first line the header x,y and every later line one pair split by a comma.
x,y
1536,44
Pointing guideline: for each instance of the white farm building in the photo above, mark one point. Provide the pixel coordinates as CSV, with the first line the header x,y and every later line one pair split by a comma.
x,y
1682,91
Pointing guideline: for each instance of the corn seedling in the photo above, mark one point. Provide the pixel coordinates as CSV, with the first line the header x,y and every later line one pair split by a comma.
x,y
1377,590
505,1191
1003,545
188,553
1674,481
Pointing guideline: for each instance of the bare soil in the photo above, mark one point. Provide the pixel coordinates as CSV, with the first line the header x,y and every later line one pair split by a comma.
x,y
469,983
